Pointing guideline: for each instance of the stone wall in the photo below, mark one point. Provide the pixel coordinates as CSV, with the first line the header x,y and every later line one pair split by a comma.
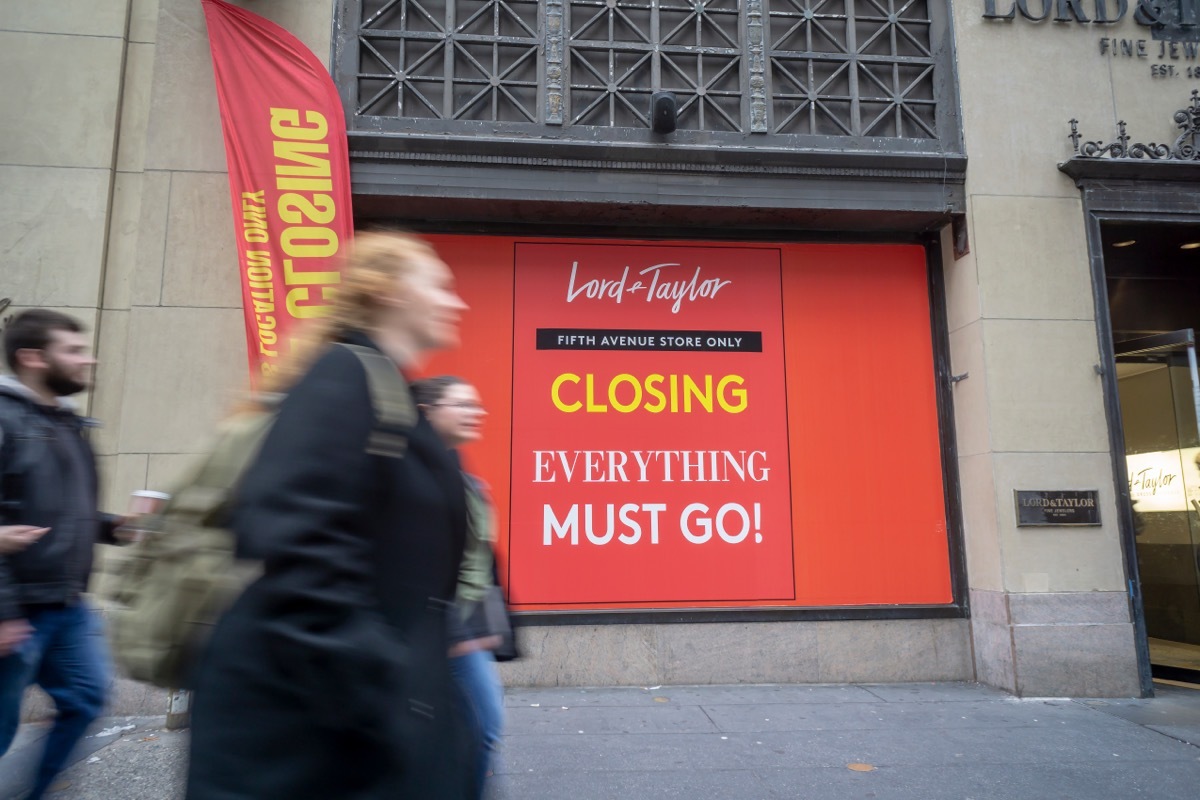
x,y
115,208
1050,615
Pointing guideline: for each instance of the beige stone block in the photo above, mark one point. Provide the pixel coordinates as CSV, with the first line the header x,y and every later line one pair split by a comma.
x,y
135,107
1021,83
200,266
886,651
1059,559
120,475
1033,258
111,348
1076,661
1043,391
962,282
981,537
143,21
106,466
310,21
52,225
184,131
88,17
584,655
61,97
1148,103
151,239
971,412
1062,560
122,240
167,469
184,368
783,652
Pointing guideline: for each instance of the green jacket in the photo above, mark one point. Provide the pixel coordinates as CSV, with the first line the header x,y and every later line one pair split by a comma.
x,y
477,572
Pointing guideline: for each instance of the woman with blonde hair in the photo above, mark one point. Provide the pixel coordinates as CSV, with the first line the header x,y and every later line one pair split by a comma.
x,y
328,677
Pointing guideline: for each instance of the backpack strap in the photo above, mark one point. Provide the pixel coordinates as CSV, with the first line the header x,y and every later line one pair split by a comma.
x,y
393,404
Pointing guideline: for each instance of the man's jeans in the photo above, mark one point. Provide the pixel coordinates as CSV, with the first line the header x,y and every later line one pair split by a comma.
x,y
67,656
482,697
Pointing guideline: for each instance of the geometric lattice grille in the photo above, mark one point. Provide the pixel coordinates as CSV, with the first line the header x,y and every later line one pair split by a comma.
x,y
468,60
852,68
621,52
775,67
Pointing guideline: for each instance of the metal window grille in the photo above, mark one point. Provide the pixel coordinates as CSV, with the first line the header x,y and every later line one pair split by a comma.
x,y
575,69
457,60
853,68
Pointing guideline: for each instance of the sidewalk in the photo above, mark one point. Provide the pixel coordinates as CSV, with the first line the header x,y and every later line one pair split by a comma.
x,y
892,742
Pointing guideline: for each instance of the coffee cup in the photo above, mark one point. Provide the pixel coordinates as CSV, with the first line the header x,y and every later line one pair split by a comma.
x,y
144,501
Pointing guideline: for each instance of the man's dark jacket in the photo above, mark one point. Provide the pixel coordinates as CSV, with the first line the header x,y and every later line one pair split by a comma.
x,y
328,678
47,479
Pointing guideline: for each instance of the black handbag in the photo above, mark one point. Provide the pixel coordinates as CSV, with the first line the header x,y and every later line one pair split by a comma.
x,y
499,623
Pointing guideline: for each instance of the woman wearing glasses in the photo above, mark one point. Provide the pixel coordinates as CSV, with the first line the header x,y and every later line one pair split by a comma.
x,y
453,408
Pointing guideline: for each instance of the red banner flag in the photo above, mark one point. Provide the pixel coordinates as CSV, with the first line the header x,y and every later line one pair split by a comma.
x,y
289,175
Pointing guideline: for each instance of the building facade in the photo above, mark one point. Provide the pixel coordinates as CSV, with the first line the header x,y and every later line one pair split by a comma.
x,y
962,234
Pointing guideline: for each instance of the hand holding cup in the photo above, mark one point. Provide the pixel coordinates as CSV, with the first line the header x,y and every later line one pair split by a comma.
x,y
142,503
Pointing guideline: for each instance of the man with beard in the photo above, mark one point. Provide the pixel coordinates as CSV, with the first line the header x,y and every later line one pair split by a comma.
x,y
49,522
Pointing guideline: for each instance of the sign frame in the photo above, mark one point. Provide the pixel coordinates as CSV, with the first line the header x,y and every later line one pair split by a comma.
x,y
1068,515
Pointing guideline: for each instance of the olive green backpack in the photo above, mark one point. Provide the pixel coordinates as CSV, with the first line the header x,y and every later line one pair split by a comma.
x,y
179,578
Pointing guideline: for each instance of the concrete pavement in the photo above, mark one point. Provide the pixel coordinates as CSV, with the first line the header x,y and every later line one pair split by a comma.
x,y
894,742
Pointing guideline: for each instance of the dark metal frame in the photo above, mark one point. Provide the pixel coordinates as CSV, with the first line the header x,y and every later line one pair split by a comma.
x,y
757,147
959,607
1128,191
650,182
1150,344
630,182
1116,441
946,380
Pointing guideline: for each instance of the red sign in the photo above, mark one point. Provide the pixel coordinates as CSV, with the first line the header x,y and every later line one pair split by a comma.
x,y
864,459
649,445
289,175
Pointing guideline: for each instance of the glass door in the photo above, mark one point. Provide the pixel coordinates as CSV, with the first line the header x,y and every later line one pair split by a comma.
x,y
1159,389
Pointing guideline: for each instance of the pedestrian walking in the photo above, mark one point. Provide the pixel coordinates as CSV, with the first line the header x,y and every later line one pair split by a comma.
x,y
50,523
456,412
328,677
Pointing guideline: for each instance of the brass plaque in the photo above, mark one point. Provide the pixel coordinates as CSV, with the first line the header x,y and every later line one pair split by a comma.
x,y
1050,507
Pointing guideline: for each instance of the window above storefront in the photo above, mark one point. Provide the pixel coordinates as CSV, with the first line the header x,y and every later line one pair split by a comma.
x,y
748,77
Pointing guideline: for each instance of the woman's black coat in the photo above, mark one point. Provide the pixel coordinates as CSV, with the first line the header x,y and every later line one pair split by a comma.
x,y
328,678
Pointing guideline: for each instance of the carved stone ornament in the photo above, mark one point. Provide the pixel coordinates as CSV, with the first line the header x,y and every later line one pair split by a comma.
x,y
1184,148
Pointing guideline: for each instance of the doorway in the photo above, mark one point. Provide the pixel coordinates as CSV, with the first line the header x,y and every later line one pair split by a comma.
x,y
1152,273
1159,392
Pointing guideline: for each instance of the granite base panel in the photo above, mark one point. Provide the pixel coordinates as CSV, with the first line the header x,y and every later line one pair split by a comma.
x,y
1097,660
863,651
126,699
1055,644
